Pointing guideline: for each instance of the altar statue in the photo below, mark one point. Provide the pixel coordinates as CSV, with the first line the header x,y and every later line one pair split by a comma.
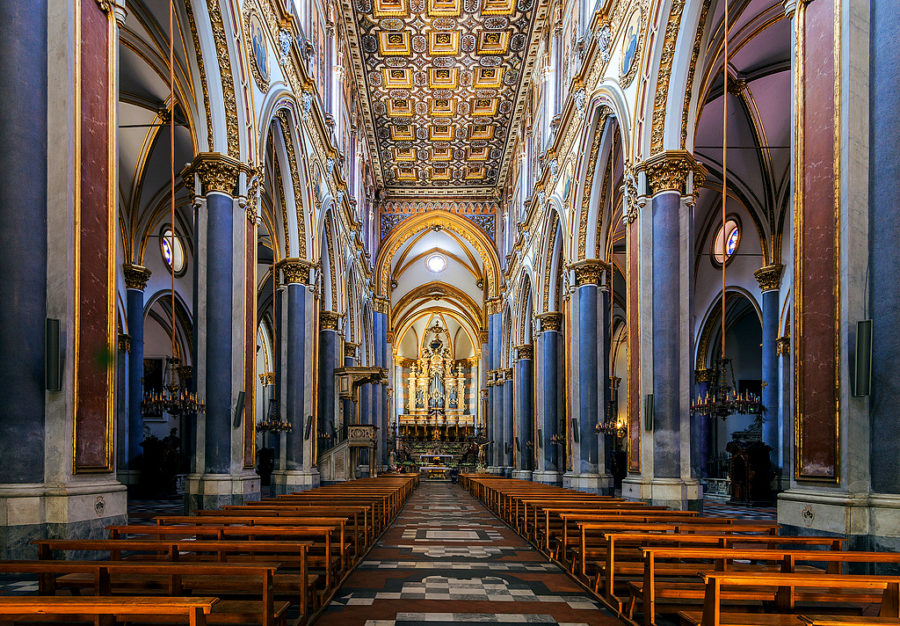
x,y
453,399
436,390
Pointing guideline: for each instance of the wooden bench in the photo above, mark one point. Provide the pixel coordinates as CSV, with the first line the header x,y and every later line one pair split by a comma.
x,y
297,584
319,554
822,588
171,579
52,608
695,561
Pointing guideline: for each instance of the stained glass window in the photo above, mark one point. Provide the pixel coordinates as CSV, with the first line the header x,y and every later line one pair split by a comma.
x,y
726,242
172,250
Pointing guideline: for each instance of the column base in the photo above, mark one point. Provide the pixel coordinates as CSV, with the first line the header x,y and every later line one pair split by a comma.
x,y
521,474
548,478
289,481
675,493
869,521
213,491
494,469
590,483
38,511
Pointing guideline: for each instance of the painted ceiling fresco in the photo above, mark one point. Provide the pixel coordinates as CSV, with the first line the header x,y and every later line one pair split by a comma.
x,y
442,79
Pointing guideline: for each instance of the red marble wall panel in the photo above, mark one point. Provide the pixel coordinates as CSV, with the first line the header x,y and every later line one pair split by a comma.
x,y
817,254
93,358
250,346
634,348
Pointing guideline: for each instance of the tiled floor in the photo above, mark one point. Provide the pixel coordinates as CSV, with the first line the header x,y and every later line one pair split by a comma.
x,y
447,559
723,509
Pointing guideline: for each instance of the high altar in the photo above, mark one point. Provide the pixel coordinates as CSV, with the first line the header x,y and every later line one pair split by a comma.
x,y
436,407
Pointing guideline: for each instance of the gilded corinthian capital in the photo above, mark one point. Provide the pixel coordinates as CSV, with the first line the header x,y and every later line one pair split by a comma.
x,y
295,271
668,171
328,320
136,276
550,321
589,271
217,172
769,276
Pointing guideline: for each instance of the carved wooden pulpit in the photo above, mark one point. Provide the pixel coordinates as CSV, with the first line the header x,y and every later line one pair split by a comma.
x,y
350,379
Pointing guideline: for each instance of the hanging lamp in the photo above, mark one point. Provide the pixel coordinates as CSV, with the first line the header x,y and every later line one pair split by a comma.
x,y
723,399
174,398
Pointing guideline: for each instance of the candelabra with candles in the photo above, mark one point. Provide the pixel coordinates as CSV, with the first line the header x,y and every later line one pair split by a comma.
x,y
723,399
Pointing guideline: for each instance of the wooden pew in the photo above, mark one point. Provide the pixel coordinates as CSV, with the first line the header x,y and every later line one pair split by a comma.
x,y
823,588
171,579
358,514
279,522
694,561
52,608
290,554
321,536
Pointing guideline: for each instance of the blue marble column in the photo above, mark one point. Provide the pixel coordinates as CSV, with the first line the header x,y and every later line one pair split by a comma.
x,y
328,342
549,390
884,262
524,407
135,282
350,361
23,239
295,275
495,392
701,428
379,394
667,300
220,268
587,277
769,278
508,442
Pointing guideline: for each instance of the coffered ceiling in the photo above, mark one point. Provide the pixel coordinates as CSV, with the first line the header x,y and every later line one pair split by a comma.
x,y
441,87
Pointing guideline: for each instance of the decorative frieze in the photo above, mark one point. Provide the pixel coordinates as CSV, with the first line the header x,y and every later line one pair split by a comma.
x,y
136,276
769,276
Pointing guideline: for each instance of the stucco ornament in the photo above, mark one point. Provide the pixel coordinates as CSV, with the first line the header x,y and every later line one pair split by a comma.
x,y
285,40
580,96
604,42
307,100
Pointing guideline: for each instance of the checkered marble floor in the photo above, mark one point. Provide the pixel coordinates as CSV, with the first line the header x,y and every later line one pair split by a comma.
x,y
723,509
448,560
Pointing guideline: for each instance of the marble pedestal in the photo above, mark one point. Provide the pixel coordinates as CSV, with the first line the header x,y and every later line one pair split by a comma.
x,y
289,481
675,493
213,491
548,478
522,474
590,483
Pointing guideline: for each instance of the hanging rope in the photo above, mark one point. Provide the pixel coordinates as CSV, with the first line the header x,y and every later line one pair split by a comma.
x,y
172,161
724,171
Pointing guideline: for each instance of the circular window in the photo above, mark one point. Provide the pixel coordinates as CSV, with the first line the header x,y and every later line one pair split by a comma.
x,y
726,242
172,250
436,263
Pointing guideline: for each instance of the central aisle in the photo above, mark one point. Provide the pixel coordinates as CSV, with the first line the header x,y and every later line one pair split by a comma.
x,y
446,559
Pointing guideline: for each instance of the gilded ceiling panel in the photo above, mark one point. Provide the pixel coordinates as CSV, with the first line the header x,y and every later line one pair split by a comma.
x,y
442,79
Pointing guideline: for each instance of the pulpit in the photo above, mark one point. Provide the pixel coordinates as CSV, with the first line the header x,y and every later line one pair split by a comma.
x,y
350,379
363,436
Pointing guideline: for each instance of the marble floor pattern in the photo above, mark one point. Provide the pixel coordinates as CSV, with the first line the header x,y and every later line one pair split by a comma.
x,y
447,560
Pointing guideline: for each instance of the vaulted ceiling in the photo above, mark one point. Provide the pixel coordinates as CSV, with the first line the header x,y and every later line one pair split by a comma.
x,y
442,87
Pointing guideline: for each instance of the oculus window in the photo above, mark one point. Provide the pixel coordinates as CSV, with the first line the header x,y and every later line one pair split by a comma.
x,y
726,242
172,250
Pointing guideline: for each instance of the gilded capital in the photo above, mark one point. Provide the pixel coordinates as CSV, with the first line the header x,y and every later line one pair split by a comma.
x,y
217,172
550,321
124,343
525,351
703,375
136,276
267,378
783,346
381,305
295,271
328,320
769,276
494,306
668,171
483,336
589,271
350,349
